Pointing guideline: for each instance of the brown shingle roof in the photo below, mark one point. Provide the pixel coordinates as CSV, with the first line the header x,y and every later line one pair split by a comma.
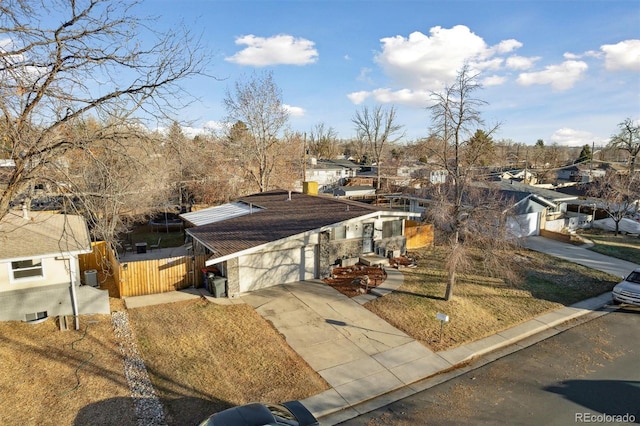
x,y
42,234
279,219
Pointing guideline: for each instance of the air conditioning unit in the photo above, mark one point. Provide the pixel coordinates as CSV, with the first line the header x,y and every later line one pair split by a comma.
x,y
91,277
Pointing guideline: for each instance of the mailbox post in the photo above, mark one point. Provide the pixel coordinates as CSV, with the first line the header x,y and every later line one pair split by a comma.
x,y
442,318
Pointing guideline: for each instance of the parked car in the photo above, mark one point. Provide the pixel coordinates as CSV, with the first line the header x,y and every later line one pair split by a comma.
x,y
291,413
628,291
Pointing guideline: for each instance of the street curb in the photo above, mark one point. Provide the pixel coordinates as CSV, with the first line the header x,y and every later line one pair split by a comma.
x,y
491,348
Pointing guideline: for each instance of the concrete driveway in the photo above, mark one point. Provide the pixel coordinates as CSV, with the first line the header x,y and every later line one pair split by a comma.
x,y
359,354
581,255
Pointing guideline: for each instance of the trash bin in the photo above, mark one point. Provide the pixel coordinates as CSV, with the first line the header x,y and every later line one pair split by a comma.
x,y
219,286
208,281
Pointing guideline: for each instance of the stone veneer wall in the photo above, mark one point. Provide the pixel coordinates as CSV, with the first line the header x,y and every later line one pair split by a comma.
x,y
324,254
392,243
233,277
345,248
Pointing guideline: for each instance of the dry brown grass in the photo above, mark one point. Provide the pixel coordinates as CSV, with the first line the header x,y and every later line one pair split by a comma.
x,y
38,382
482,306
203,357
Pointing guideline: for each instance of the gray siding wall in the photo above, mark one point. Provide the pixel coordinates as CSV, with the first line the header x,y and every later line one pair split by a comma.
x,y
55,300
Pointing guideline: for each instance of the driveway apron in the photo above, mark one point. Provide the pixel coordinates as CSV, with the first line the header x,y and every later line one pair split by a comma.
x,y
356,352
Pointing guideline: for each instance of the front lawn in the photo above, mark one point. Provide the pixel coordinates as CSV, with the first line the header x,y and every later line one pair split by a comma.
x,y
52,377
483,306
626,247
203,357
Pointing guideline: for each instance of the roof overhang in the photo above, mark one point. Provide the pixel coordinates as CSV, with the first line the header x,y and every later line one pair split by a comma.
x,y
373,215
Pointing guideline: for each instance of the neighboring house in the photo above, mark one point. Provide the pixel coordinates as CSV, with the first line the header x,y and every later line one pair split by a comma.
x,y
6,168
285,237
39,273
520,175
533,208
354,191
330,173
411,175
580,173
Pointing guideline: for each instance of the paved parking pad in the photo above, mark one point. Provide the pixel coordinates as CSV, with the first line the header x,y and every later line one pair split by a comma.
x,y
359,354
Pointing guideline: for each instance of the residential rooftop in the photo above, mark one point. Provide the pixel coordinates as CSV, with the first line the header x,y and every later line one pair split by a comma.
x,y
277,216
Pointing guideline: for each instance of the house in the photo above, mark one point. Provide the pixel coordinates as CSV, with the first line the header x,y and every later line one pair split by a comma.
x,y
354,191
6,168
39,272
330,173
283,237
580,173
533,208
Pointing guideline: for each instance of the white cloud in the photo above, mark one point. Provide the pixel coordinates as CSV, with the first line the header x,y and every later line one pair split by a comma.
x,y
571,137
507,46
275,50
493,80
294,111
420,63
560,77
419,98
214,125
358,97
516,62
364,75
622,56
426,62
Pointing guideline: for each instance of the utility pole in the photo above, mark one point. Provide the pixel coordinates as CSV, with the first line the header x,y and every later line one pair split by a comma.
x,y
304,157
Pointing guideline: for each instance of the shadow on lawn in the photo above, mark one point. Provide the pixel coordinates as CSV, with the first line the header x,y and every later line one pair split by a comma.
x,y
120,411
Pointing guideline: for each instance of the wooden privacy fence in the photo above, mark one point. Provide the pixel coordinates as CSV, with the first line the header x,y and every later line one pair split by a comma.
x,y
153,276
418,235
140,277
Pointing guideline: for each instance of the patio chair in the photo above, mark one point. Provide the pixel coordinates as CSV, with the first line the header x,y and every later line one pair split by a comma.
x,y
155,246
128,248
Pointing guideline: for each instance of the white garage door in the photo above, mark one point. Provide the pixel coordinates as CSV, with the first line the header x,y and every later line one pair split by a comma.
x,y
267,269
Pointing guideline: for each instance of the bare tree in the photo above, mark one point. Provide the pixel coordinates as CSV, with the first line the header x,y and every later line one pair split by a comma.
x,y
618,195
115,182
91,60
456,117
258,115
377,128
628,139
323,141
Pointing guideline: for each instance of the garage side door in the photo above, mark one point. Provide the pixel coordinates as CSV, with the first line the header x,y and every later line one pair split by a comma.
x,y
272,268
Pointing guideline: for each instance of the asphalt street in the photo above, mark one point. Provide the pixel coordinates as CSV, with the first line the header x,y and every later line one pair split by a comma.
x,y
577,376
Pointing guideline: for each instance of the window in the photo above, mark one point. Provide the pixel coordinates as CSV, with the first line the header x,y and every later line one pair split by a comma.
x,y
339,233
26,269
392,229
35,316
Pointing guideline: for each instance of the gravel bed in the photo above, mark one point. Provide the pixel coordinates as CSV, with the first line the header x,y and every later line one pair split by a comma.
x,y
148,409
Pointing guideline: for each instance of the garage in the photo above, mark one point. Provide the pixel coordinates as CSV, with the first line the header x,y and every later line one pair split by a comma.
x,y
266,269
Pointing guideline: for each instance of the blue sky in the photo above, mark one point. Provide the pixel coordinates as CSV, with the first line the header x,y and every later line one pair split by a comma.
x,y
562,71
